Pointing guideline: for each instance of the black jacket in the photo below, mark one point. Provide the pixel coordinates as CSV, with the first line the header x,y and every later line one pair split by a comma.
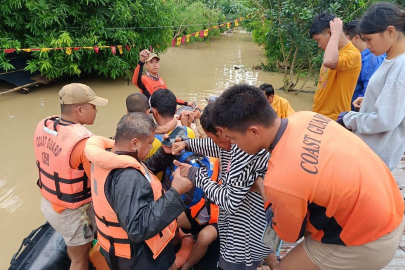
x,y
130,195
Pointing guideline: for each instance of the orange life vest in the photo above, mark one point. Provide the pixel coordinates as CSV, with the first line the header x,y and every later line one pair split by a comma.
x,y
53,145
211,208
111,235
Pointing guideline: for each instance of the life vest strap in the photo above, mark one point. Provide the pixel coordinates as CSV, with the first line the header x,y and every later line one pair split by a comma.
x,y
63,180
105,222
70,198
114,240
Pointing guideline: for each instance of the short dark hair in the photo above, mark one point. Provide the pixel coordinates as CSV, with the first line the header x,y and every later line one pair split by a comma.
x,y
267,88
243,105
134,125
137,102
164,101
381,15
206,120
320,23
351,28
68,109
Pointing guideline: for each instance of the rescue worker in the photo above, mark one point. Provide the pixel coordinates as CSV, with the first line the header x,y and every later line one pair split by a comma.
x,y
64,171
151,82
135,220
350,207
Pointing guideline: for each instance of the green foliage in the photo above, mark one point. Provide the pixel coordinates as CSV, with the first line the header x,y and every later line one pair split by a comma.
x,y
192,16
83,23
283,28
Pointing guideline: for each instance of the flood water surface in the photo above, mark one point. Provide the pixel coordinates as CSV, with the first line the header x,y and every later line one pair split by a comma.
x,y
192,72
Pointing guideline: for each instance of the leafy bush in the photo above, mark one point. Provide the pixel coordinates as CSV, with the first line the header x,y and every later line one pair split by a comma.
x,y
83,23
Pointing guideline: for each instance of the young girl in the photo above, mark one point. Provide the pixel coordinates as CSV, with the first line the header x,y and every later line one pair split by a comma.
x,y
381,119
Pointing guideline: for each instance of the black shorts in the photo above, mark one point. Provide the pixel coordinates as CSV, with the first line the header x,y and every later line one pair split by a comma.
x,y
211,257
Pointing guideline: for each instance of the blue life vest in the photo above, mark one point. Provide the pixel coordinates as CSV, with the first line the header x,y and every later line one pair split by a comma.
x,y
196,160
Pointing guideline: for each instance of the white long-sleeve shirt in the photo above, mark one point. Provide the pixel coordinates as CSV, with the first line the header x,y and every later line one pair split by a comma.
x,y
381,120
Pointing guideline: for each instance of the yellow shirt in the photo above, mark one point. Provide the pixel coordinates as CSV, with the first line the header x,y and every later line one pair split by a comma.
x,y
336,87
157,144
282,106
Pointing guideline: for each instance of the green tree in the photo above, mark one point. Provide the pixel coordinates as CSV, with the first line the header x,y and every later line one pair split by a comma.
x,y
192,16
83,23
283,28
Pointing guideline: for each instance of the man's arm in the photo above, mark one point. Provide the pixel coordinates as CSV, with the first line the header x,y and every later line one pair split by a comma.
x,y
205,147
290,215
230,196
131,197
331,57
159,161
137,79
389,111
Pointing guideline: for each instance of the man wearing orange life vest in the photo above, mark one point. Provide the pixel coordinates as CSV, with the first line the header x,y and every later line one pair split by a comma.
x,y
135,220
64,170
351,207
151,82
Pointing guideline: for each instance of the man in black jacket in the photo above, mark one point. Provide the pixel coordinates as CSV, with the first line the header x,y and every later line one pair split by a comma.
x,y
130,194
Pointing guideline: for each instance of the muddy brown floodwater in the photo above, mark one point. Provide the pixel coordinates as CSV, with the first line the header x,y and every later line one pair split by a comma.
x,y
192,72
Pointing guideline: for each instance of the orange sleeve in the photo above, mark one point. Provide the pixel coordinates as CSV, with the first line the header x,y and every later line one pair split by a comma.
x,y
136,74
348,59
78,157
290,214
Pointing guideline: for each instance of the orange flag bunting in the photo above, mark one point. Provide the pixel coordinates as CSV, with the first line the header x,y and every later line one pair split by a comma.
x,y
45,49
96,49
68,51
228,25
197,34
236,23
179,41
113,49
188,38
205,32
183,39
77,48
120,49
26,50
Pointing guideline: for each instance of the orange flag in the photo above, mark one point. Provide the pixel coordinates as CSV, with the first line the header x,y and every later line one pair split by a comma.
x,y
205,32
236,23
68,51
120,49
228,25
179,41
197,34
188,38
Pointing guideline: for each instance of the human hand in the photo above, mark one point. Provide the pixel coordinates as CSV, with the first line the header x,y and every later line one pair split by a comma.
x,y
336,26
190,104
177,147
168,150
187,118
181,184
184,168
144,55
197,113
357,103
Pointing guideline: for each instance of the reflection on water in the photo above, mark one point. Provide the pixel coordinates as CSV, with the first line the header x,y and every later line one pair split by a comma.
x,y
192,72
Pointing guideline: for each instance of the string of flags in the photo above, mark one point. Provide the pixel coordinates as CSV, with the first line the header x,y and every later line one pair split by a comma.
x,y
113,48
203,33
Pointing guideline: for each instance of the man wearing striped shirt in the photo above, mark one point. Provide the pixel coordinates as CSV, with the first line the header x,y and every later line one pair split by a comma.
x,y
241,218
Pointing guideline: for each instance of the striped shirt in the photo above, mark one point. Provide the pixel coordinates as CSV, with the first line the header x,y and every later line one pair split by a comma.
x,y
241,218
